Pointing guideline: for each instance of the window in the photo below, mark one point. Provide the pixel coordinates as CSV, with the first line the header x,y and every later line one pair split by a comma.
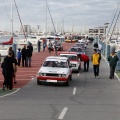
x,y
61,64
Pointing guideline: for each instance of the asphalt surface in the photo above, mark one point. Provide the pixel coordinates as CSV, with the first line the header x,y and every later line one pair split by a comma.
x,y
87,98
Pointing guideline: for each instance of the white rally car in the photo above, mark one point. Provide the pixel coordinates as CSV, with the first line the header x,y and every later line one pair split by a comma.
x,y
55,70
74,60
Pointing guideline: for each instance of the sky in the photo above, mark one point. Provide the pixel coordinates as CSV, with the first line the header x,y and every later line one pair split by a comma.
x,y
70,15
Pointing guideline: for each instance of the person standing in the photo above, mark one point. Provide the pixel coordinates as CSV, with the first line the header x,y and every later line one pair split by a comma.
x,y
14,73
9,69
85,58
96,61
44,44
28,57
19,56
5,83
113,58
10,49
55,48
96,45
23,52
39,45
50,46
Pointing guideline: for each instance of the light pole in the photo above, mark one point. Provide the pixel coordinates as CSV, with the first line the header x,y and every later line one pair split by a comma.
x,y
38,29
106,37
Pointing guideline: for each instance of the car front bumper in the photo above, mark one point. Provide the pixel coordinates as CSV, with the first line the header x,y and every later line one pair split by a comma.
x,y
52,79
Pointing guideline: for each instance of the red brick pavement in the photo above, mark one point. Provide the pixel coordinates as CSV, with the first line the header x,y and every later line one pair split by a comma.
x,y
24,74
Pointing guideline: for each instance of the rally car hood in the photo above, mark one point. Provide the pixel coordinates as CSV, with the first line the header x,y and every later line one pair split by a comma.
x,y
53,70
74,62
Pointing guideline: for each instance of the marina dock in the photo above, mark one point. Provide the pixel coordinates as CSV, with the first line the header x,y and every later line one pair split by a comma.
x,y
26,74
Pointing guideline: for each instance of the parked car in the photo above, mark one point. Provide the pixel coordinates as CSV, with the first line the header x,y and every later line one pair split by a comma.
x,y
55,69
81,45
78,50
59,47
74,60
84,44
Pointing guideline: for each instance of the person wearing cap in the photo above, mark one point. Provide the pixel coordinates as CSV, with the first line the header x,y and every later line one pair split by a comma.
x,y
96,61
113,58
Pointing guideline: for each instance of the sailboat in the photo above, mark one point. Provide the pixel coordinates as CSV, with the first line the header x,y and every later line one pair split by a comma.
x,y
4,46
10,42
34,39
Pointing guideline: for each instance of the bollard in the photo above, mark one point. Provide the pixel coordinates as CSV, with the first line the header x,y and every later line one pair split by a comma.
x,y
108,51
14,47
118,63
104,45
0,58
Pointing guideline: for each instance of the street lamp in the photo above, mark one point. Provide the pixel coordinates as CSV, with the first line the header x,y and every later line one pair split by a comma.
x,y
106,37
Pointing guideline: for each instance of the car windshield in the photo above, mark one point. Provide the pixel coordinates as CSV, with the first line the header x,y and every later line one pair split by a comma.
x,y
61,64
76,50
79,45
70,57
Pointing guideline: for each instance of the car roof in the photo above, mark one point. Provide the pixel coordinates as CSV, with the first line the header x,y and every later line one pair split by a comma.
x,y
57,57
80,43
76,47
68,53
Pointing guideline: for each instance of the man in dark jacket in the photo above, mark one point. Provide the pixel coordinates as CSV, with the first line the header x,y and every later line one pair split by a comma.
x,y
9,69
113,58
28,56
23,56
96,45
39,45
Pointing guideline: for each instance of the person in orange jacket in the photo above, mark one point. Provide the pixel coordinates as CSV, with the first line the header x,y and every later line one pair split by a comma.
x,y
85,58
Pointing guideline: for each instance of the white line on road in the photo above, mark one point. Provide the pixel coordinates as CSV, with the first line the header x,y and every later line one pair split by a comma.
x,y
20,79
10,93
63,113
74,90
117,77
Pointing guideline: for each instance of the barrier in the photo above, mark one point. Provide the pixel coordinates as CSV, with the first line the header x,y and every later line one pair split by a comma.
x,y
108,51
118,63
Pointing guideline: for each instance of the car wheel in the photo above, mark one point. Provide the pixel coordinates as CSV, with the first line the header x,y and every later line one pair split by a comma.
x,y
71,78
67,82
79,69
38,82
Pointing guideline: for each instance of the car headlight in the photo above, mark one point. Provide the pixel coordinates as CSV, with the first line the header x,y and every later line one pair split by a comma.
x,y
43,74
63,75
40,74
59,75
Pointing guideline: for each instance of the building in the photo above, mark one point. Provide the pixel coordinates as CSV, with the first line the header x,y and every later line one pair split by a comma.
x,y
26,28
97,31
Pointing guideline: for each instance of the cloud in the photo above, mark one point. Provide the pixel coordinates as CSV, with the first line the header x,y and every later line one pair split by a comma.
x,y
73,12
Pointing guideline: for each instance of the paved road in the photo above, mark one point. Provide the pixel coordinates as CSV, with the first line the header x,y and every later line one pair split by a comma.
x,y
86,98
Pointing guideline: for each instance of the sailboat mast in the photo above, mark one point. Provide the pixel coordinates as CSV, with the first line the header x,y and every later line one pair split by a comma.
x,y
11,18
51,17
46,18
